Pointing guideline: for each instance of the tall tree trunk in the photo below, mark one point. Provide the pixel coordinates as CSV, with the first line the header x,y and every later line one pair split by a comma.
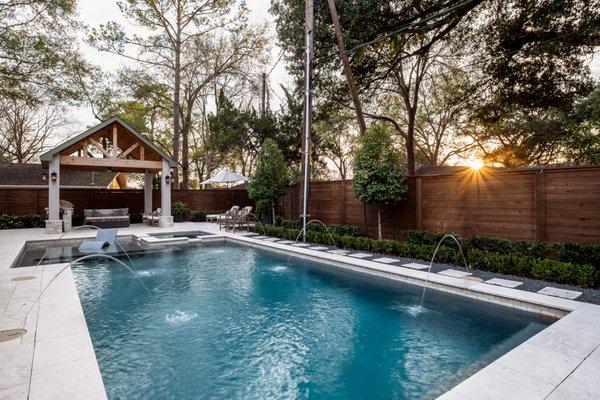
x,y
379,221
185,153
176,105
410,144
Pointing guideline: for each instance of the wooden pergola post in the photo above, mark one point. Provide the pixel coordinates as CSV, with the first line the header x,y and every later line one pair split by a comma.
x,y
148,192
54,224
165,196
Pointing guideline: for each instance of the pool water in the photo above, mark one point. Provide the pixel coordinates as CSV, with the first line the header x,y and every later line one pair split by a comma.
x,y
233,322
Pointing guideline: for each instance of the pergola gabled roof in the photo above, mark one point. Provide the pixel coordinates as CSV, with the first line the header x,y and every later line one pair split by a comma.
x,y
131,137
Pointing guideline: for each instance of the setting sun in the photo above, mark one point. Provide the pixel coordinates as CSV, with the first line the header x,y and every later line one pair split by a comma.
x,y
476,164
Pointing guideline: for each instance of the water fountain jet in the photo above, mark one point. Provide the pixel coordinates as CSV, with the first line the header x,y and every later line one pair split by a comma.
x,y
433,259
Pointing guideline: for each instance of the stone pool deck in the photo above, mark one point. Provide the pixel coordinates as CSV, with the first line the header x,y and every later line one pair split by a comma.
x,y
56,359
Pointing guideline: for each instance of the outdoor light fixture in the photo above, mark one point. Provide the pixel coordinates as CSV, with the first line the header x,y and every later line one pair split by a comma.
x,y
45,176
53,176
168,179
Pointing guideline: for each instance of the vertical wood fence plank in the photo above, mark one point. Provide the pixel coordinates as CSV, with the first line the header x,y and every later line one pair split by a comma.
x,y
540,206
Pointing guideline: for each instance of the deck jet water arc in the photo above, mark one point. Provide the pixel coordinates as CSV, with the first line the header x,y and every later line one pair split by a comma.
x,y
86,257
433,258
304,230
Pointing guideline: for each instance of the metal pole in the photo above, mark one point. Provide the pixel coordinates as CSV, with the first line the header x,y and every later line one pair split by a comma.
x,y
308,28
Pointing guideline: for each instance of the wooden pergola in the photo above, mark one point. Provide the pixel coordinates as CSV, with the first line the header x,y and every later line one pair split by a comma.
x,y
115,146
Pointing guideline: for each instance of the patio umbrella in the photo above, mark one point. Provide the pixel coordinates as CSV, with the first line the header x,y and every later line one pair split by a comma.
x,y
226,176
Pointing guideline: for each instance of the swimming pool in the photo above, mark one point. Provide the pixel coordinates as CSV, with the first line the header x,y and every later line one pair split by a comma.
x,y
234,322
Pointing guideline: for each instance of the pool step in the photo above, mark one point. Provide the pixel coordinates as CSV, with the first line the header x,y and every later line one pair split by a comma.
x,y
562,293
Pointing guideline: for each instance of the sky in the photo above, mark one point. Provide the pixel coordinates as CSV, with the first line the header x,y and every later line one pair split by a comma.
x,y
95,13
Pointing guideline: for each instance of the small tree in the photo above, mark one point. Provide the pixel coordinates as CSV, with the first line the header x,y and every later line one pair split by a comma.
x,y
270,178
378,171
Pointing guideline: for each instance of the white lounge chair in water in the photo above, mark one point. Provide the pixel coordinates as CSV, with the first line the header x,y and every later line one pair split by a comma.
x,y
104,238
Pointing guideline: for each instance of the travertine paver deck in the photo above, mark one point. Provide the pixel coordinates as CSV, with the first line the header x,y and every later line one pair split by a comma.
x,y
416,266
386,260
455,273
319,248
559,363
301,244
504,282
339,252
360,255
562,293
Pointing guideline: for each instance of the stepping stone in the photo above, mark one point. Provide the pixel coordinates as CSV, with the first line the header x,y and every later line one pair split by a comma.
x,y
319,248
360,255
301,244
504,282
562,293
339,252
385,260
455,273
474,279
416,266
285,242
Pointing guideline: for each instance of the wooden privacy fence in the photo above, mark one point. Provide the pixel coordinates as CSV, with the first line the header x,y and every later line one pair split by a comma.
x,y
554,204
34,200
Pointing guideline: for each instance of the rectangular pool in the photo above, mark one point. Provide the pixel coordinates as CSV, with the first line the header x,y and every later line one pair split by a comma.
x,y
234,322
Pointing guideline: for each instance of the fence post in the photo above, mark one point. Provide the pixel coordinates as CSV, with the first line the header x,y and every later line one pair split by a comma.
x,y
419,208
540,206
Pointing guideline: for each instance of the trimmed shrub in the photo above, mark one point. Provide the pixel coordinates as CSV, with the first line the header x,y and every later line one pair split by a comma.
x,y
198,216
514,258
21,221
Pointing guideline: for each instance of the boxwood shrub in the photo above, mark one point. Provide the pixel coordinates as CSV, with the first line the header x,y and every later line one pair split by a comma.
x,y
21,221
551,262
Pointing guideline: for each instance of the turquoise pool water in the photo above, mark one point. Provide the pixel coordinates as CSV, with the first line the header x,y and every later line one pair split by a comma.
x,y
236,323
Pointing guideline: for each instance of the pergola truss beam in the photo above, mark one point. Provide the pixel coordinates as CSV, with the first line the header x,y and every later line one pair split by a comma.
x,y
129,150
99,147
119,163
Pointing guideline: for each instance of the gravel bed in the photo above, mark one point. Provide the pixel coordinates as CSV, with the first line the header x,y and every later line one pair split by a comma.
x,y
529,284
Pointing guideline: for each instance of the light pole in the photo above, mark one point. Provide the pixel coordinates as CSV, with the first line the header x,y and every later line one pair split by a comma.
x,y
308,29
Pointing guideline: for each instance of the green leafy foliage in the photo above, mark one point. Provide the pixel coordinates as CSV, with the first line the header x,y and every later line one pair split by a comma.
x,y
378,172
21,221
270,178
490,254
178,208
339,230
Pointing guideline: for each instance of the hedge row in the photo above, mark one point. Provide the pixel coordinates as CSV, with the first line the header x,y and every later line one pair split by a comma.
x,y
21,221
584,275
339,230
566,252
